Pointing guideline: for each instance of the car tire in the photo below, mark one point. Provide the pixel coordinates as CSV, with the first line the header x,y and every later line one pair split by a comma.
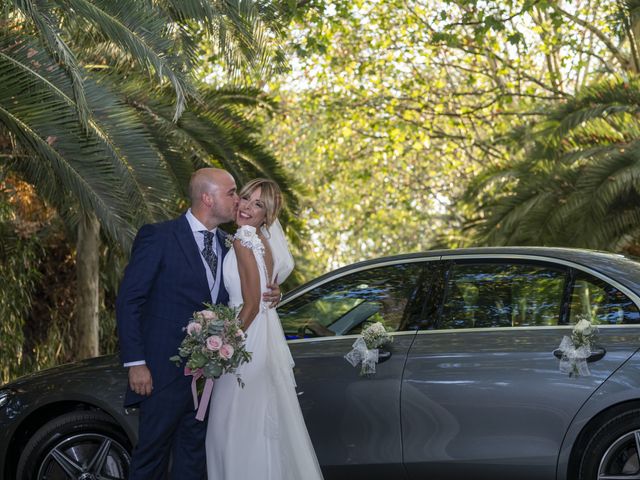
x,y
613,448
86,444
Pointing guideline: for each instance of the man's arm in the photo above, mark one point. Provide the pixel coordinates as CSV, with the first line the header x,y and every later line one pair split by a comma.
x,y
132,296
273,296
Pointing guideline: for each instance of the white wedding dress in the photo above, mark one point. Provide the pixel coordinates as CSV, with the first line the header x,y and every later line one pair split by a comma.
x,y
258,432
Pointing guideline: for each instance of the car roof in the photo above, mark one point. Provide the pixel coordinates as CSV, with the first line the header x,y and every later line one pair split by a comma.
x,y
620,268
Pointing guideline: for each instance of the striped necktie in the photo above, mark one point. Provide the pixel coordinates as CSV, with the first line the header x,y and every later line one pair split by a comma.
x,y
209,253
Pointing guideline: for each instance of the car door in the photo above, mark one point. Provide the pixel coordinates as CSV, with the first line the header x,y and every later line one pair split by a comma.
x,y
482,390
353,421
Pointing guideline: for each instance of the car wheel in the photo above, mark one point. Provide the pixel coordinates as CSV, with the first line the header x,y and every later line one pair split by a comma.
x,y
77,445
614,449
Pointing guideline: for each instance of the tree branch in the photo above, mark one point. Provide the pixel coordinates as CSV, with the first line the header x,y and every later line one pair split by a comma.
x,y
615,51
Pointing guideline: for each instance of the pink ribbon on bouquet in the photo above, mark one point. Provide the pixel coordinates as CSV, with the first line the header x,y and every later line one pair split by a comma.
x,y
206,393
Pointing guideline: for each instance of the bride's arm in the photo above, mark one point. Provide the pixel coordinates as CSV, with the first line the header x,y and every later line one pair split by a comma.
x,y
249,284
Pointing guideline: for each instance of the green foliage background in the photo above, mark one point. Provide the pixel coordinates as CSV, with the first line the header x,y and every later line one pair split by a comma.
x,y
398,117
394,126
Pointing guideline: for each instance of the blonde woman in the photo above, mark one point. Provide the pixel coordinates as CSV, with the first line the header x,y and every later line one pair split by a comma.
x,y
258,431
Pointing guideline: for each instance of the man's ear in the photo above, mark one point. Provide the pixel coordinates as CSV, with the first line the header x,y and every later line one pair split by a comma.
x,y
207,199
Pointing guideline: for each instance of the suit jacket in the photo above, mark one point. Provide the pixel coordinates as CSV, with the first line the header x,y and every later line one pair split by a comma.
x,y
164,283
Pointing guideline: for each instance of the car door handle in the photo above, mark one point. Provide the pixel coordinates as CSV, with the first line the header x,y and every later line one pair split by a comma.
x,y
383,355
596,354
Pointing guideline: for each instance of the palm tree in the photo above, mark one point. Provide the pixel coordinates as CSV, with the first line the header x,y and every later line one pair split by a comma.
x,y
577,180
93,100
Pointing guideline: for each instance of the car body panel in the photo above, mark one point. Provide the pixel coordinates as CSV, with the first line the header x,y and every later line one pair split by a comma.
x,y
97,382
354,421
621,389
476,408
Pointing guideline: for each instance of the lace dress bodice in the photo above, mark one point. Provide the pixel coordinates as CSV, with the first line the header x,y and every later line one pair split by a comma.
x,y
248,238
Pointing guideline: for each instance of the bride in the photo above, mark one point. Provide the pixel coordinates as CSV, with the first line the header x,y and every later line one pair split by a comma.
x,y
258,431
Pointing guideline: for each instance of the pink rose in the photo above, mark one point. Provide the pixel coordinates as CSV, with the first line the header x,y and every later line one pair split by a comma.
x,y
194,328
214,342
226,351
209,315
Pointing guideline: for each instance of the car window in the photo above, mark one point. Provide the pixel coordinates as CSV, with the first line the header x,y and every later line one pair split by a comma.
x,y
502,295
346,305
601,303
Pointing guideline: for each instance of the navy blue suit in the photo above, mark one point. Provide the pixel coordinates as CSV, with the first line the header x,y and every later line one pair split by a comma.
x,y
164,283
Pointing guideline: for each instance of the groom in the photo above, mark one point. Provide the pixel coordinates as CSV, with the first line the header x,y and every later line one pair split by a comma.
x,y
174,268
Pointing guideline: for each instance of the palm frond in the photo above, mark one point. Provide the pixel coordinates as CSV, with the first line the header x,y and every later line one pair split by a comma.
x,y
619,225
139,32
51,37
247,34
579,179
216,133
111,167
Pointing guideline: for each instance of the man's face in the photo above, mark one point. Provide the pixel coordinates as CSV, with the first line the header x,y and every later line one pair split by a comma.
x,y
225,198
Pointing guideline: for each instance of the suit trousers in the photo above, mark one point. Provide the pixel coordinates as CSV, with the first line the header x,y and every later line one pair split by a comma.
x,y
168,429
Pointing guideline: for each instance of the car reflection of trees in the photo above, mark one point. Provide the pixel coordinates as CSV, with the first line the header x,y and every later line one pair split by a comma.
x,y
348,306
503,296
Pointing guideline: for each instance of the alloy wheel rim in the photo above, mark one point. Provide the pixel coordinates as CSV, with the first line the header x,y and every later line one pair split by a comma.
x,y
622,459
87,456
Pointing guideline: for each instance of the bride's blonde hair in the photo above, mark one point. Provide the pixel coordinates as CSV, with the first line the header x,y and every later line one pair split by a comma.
x,y
270,195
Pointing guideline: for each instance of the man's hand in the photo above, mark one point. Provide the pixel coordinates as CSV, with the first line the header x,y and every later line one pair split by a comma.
x,y
273,296
140,379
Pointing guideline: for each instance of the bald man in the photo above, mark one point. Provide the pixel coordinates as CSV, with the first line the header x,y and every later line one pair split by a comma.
x,y
169,276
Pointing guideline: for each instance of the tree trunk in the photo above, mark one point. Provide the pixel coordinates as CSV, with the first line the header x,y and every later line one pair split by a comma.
x,y
87,288
634,38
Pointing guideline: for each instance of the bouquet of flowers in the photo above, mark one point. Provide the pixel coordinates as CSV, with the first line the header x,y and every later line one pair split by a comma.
x,y
214,345
576,350
376,335
366,348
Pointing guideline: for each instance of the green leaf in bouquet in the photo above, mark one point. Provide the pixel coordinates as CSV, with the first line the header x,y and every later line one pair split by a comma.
x,y
197,360
212,370
215,328
177,359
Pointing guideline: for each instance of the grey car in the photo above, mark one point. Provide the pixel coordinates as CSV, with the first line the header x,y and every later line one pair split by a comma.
x,y
470,387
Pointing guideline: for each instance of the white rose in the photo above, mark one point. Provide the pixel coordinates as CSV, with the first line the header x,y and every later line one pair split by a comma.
x,y
583,327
